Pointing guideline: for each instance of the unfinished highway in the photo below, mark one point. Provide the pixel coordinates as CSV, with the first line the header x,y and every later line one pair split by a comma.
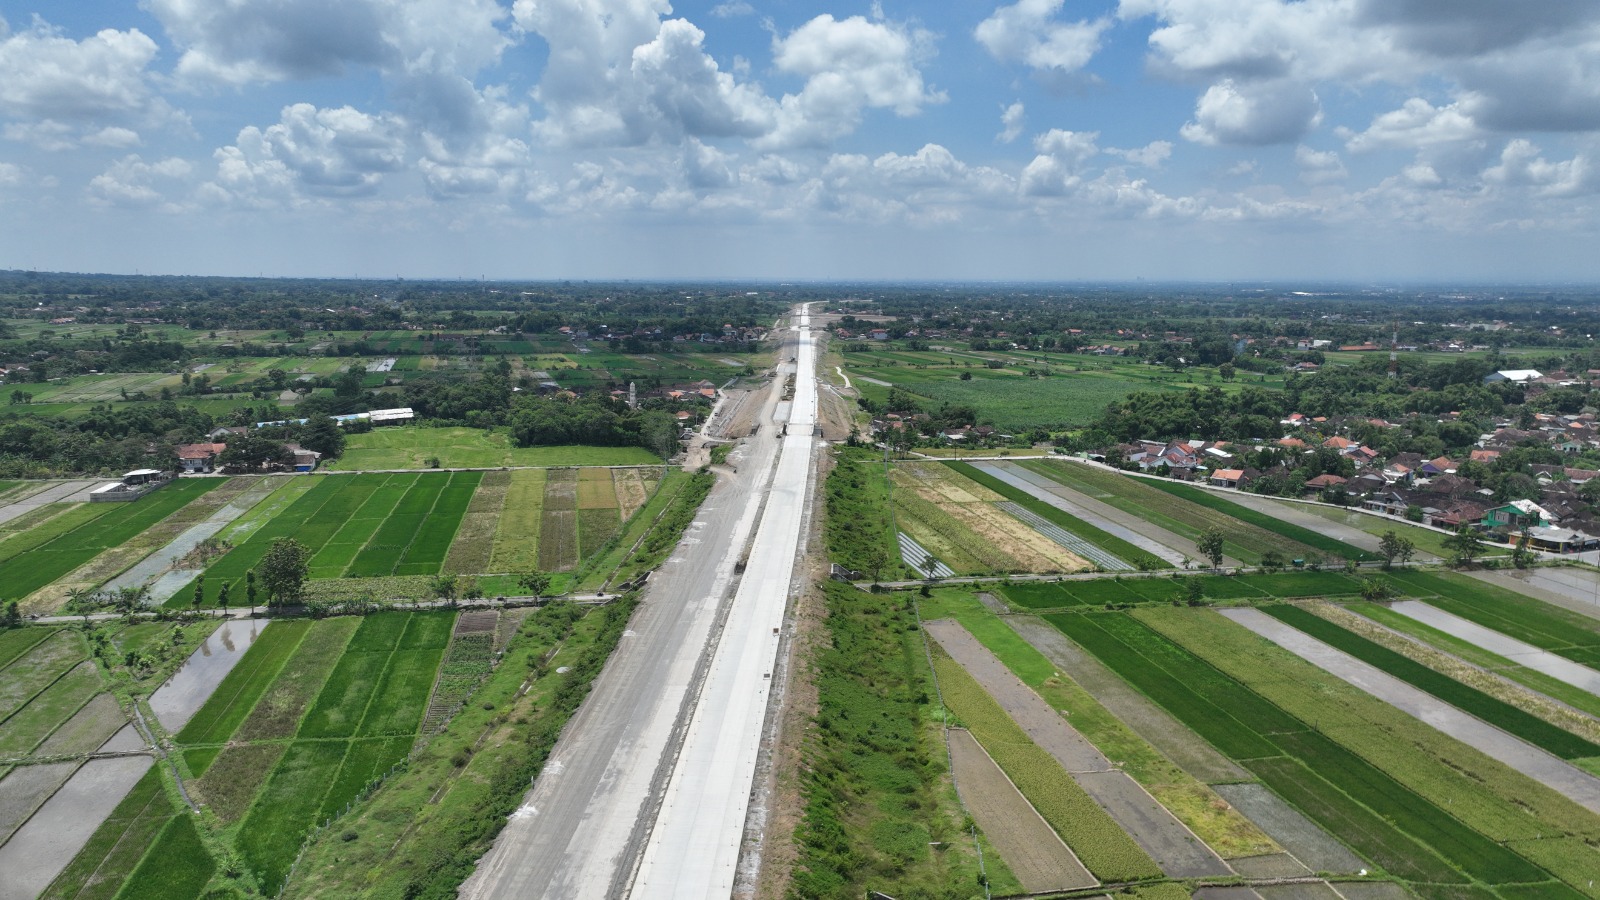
x,y
646,792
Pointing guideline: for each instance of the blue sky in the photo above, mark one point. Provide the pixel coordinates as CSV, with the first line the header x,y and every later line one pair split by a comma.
x,y
971,139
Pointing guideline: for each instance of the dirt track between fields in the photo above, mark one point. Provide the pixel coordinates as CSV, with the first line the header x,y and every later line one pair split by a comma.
x,y
1173,846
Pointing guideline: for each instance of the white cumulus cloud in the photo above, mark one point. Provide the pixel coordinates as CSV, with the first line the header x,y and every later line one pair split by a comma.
x,y
1028,32
1253,113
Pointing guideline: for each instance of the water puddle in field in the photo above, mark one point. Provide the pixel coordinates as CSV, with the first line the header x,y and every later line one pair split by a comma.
x,y
176,702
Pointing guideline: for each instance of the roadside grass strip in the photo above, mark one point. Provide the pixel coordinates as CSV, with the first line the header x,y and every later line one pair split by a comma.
x,y
1498,713
239,690
1562,632
1138,497
1379,817
117,846
1116,547
1072,542
177,867
1293,532
917,558
1108,852
47,561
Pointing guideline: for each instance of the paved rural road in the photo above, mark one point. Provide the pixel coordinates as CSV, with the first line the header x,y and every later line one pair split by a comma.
x,y
1577,785
581,829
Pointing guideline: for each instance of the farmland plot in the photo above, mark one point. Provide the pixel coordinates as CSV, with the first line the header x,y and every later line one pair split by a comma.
x,y
517,535
28,563
1386,821
1133,495
473,548
558,530
1459,783
960,522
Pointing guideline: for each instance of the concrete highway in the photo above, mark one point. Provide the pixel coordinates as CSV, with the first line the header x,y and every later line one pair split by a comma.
x,y
581,829
693,851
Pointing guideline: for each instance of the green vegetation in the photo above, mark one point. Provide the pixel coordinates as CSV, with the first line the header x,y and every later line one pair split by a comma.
x,y
1101,844
412,447
1222,827
30,561
177,867
1246,541
423,830
1151,590
1502,715
1305,536
1110,543
857,530
1471,653
117,846
874,780
1562,632
1390,824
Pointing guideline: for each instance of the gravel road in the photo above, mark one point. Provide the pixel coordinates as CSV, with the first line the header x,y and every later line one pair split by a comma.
x,y
1577,785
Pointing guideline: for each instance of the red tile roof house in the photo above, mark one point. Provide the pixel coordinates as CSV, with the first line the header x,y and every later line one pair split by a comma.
x,y
1228,478
194,458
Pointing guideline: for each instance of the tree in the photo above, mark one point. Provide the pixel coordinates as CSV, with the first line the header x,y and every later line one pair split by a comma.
x,y
444,588
1210,546
535,583
1226,370
1523,555
1393,547
252,451
1272,560
875,558
250,590
323,435
1465,546
1375,589
284,569
10,615
222,598
199,592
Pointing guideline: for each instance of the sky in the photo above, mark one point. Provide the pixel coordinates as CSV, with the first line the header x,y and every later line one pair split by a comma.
x,y
1344,140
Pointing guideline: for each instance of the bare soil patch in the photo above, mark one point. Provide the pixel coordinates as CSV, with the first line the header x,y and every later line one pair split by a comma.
x,y
1036,854
1303,839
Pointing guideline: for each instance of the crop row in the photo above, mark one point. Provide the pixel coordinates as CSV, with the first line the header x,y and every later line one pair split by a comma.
x,y
1110,543
1293,532
948,538
116,847
1104,848
1496,712
1133,495
1378,816
517,536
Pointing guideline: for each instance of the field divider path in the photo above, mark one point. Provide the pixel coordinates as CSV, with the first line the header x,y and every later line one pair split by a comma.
x,y
1101,558
1152,540
1577,785
1176,849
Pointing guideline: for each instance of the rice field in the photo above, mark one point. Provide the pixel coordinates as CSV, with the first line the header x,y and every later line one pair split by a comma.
x,y
1312,756
413,447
